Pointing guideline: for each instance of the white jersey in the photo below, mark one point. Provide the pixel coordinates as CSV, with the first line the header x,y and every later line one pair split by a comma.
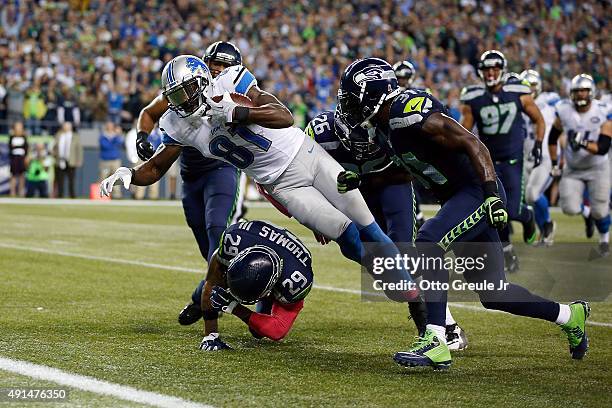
x,y
543,102
262,153
588,125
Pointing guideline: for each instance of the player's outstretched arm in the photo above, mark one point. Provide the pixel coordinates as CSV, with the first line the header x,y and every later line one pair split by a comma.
x,y
214,277
147,119
553,137
154,169
269,111
447,132
532,110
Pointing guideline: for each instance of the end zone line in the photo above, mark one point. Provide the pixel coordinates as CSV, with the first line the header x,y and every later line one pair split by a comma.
x,y
93,385
200,271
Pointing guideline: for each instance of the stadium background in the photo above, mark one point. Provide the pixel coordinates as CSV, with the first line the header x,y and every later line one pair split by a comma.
x,y
104,57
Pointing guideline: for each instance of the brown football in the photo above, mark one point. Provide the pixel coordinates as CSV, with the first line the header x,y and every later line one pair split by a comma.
x,y
240,99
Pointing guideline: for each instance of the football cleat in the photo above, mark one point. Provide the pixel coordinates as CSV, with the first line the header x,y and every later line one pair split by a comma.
x,y
603,249
511,261
427,350
548,234
575,329
529,229
589,226
456,340
190,314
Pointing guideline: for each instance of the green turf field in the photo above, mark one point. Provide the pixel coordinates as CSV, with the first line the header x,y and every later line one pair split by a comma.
x,y
95,290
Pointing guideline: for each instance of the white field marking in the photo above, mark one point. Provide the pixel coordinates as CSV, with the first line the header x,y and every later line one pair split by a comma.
x,y
93,385
199,271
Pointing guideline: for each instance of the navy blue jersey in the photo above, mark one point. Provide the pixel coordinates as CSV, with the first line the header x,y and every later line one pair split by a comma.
x,y
321,129
194,165
497,116
296,277
437,168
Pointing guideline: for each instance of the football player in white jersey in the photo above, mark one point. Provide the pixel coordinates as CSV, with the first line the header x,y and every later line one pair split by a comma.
x,y
588,128
538,178
261,142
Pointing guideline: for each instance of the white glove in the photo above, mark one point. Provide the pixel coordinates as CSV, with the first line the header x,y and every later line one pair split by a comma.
x,y
222,111
122,174
212,342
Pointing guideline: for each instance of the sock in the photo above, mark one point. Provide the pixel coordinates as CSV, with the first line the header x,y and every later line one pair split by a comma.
x,y
449,317
586,211
605,237
603,225
508,248
350,243
542,214
564,314
439,331
196,296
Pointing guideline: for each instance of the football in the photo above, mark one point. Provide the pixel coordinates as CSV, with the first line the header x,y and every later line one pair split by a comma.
x,y
240,99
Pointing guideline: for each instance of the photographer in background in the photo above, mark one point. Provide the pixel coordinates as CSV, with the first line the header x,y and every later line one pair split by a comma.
x,y
37,176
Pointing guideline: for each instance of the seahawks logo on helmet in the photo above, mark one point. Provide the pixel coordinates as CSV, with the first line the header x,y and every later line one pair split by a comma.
x,y
372,73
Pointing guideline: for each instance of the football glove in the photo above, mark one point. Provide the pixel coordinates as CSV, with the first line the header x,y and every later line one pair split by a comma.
x,y
497,214
221,300
212,342
536,153
144,148
577,141
555,171
347,181
222,111
122,174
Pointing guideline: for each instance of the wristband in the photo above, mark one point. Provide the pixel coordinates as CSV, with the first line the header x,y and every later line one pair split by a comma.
x,y
490,188
142,135
133,172
554,162
240,115
210,314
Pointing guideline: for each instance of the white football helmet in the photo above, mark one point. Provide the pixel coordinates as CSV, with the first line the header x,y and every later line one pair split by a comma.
x,y
186,82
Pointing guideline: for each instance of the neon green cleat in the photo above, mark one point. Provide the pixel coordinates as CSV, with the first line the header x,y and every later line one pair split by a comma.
x,y
575,329
427,350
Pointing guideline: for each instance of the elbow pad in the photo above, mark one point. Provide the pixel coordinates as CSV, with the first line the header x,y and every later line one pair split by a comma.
x,y
553,136
603,144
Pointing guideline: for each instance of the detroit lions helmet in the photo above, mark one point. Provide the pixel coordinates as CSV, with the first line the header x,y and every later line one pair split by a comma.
x,y
492,59
534,79
405,72
357,140
364,86
252,274
579,83
185,82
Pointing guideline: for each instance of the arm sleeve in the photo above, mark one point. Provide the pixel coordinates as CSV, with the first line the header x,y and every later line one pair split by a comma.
x,y
275,326
603,144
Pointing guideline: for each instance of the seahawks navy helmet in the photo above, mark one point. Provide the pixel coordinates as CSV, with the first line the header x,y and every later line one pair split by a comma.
x,y
185,81
492,59
252,274
364,86
357,140
579,83
224,53
405,72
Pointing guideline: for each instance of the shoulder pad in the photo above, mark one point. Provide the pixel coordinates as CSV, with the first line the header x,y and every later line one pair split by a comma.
x,y
471,92
517,88
236,78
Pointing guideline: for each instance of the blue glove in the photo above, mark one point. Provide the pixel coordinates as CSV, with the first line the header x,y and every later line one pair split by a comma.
x,y
221,300
212,342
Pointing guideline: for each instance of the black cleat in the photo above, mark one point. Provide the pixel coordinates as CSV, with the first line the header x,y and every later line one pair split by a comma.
x,y
456,340
603,249
529,229
190,314
589,226
511,261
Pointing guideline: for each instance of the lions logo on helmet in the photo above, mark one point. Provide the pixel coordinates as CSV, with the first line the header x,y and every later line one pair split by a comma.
x,y
252,274
580,83
185,81
534,80
364,86
492,59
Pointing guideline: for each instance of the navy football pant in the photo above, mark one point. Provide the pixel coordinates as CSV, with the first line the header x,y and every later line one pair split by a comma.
x,y
510,172
462,219
393,209
209,205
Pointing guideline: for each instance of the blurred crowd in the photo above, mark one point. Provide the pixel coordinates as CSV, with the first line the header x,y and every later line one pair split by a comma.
x,y
89,62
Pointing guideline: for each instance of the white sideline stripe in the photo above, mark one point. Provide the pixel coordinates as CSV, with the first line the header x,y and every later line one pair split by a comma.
x,y
91,384
193,270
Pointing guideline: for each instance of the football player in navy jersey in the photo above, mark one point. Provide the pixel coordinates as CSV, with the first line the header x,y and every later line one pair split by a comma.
x,y
211,191
495,108
256,262
387,190
413,127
